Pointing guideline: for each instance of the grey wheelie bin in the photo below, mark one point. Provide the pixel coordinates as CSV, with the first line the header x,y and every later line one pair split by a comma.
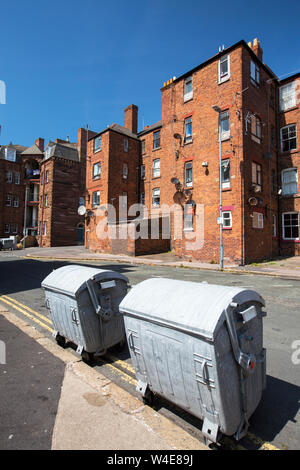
x,y
201,347
84,307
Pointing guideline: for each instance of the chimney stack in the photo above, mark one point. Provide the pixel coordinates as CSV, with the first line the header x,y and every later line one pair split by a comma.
x,y
131,118
40,143
255,46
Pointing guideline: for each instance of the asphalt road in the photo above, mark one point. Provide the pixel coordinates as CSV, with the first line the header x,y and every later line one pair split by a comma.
x,y
276,420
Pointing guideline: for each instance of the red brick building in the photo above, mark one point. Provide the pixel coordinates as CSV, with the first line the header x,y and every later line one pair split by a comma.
x,y
179,162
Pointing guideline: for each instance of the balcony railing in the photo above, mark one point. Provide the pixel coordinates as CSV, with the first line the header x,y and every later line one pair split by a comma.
x,y
32,174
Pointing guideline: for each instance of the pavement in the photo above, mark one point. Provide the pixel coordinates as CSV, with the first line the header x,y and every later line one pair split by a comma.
x,y
282,267
52,400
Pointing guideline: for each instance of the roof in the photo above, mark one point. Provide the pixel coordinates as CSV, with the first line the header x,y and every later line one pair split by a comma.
x,y
66,151
291,77
224,52
116,128
19,149
193,307
72,279
150,128
33,150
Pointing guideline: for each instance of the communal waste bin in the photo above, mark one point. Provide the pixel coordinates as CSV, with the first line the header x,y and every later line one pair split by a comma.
x,y
201,347
84,307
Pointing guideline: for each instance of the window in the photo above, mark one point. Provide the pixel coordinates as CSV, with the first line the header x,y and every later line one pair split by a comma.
x,y
142,198
41,201
289,179
143,146
96,198
81,201
97,143
288,137
290,225
225,171
14,228
188,216
188,130
48,152
126,144
224,69
258,220
156,196
287,96
17,178
8,200
188,175
224,125
227,219
10,154
9,177
6,228
125,171
16,201
156,140
257,175
47,176
188,88
142,172
156,168
45,228
46,200
254,73
274,226
256,129
96,170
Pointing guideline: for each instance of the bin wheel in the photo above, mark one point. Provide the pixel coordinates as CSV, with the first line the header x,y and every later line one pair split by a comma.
x,y
61,341
87,357
148,398
119,347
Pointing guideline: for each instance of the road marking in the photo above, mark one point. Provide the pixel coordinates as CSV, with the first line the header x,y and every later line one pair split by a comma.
x,y
25,311
28,308
26,314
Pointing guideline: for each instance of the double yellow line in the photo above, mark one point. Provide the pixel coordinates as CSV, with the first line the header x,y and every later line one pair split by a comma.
x,y
126,370
46,323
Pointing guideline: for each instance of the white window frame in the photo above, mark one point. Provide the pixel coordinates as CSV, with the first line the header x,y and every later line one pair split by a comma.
x,y
255,73
143,172
97,143
274,225
155,194
6,228
45,228
10,154
97,203
224,115
156,168
48,152
126,144
17,178
14,229
16,201
227,217
188,95
287,96
256,129
125,171
188,184
225,184
46,200
285,185
258,220
289,138
188,137
284,226
97,174
156,140
225,76
8,200
9,177
256,177
47,176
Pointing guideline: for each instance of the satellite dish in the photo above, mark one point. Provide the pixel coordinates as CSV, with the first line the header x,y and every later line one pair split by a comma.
x,y
81,210
179,198
174,180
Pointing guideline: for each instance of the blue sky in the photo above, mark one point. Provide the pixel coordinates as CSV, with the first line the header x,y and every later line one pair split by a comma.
x,y
69,63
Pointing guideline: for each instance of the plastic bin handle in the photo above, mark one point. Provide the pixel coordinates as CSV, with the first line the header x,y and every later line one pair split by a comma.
x,y
93,297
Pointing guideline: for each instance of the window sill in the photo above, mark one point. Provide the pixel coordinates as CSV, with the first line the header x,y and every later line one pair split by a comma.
x,y
288,152
227,189
294,195
188,230
156,177
187,100
95,178
291,240
157,148
289,109
225,137
189,187
227,228
188,143
224,80
97,151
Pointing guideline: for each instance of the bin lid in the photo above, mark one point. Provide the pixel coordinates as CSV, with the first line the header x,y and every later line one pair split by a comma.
x,y
198,308
71,279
